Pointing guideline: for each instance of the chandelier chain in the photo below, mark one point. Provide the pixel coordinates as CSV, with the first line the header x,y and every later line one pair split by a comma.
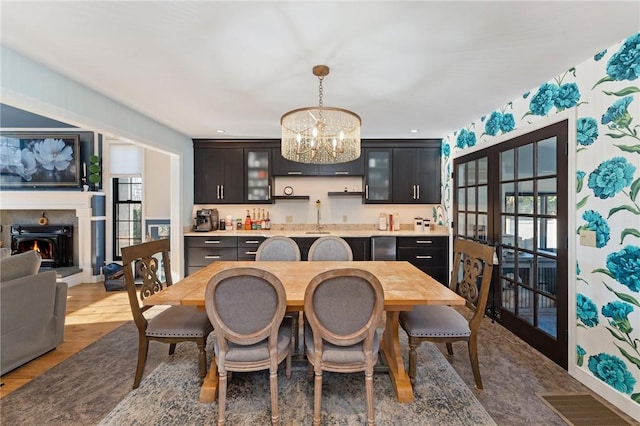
x,y
320,92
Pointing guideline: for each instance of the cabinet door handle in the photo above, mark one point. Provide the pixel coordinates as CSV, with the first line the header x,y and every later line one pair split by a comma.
x,y
424,242
366,192
418,197
414,192
212,257
250,252
269,192
217,192
212,242
222,192
424,257
294,173
340,173
252,242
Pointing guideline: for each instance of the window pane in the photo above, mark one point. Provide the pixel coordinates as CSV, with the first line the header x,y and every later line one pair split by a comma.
x,y
508,199
471,225
461,224
471,199
525,233
462,178
482,199
547,234
507,165
471,173
547,157
508,295
547,199
525,262
508,231
482,227
525,161
547,313
525,305
525,197
482,170
547,275
462,199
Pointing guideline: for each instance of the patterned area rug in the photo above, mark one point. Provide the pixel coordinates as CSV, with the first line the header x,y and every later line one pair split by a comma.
x,y
170,396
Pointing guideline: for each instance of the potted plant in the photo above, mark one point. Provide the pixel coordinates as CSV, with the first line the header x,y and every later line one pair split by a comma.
x,y
95,171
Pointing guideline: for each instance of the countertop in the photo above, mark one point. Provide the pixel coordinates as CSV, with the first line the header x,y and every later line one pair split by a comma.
x,y
440,231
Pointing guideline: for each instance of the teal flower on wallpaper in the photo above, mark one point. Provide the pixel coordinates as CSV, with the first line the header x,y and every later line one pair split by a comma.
x,y
446,149
492,126
617,114
624,267
466,139
625,63
508,123
581,354
613,371
610,177
595,222
525,95
587,130
586,311
580,180
618,312
542,102
567,97
600,55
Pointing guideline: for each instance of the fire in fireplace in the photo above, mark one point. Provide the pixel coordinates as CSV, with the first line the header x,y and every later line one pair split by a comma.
x,y
54,242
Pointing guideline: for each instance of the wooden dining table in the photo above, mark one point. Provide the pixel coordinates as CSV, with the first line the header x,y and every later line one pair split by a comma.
x,y
405,286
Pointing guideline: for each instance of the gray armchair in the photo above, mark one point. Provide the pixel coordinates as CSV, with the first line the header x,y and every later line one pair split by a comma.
x,y
32,310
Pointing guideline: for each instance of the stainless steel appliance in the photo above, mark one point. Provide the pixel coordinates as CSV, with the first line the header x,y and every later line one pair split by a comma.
x,y
206,220
383,248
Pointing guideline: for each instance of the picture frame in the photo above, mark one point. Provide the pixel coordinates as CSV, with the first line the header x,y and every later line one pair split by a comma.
x,y
34,160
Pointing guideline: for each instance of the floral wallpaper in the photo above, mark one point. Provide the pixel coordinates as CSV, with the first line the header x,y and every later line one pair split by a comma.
x,y
605,92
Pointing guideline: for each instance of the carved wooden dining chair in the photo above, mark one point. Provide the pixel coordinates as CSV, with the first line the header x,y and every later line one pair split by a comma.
x,y
246,306
470,278
343,307
282,248
173,325
330,247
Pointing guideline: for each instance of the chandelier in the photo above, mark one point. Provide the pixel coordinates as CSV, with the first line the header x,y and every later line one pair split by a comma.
x,y
320,135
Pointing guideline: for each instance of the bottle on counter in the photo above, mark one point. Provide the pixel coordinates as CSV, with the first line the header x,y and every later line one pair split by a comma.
x,y
247,222
382,222
268,221
263,220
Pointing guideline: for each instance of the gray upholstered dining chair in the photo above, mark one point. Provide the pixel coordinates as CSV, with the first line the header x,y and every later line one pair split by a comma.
x,y
278,248
470,278
330,247
282,248
173,325
246,306
343,307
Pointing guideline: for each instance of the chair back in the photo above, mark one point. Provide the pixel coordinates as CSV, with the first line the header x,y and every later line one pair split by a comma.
x,y
471,275
143,260
278,248
330,247
344,307
245,306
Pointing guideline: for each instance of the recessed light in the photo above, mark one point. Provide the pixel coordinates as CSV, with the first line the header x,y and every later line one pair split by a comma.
x,y
220,131
415,130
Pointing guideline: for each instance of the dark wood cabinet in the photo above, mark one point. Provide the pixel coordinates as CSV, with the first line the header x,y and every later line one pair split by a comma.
x,y
359,247
430,254
416,175
258,175
247,247
284,167
350,168
201,251
218,176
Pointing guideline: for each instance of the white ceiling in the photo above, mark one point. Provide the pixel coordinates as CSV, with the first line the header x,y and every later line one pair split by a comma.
x,y
234,65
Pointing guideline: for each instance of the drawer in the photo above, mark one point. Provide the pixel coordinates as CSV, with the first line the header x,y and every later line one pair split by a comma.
x,y
250,242
423,242
247,253
211,241
419,256
200,256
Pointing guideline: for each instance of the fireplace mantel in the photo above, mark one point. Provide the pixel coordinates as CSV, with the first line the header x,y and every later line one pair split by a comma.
x,y
81,203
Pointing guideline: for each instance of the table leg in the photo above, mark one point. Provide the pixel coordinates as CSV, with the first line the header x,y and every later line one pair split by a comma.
x,y
209,389
391,350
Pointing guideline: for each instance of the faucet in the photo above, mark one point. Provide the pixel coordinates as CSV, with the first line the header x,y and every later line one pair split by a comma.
x,y
318,226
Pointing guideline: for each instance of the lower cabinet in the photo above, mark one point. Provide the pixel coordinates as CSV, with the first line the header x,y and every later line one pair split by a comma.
x,y
201,251
248,246
430,254
359,246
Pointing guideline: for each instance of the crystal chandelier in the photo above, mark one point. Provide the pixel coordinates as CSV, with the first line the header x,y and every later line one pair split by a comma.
x,y
320,135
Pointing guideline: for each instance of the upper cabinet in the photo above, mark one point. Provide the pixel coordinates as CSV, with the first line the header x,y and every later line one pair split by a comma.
x,y
377,178
231,172
284,167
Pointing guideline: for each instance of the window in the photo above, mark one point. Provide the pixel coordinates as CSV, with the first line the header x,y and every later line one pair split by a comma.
x,y
127,213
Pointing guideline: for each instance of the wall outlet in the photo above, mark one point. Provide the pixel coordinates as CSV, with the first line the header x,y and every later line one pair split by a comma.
x,y
288,219
587,238
344,218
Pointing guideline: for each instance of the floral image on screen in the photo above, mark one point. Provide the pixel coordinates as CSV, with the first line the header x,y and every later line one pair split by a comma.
x,y
34,160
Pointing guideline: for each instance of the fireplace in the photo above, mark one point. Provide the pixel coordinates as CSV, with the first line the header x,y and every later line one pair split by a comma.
x,y
54,242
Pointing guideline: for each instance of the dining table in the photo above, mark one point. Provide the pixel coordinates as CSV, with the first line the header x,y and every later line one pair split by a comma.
x,y
405,286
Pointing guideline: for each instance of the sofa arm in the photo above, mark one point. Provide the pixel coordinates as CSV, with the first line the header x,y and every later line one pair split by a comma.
x,y
60,309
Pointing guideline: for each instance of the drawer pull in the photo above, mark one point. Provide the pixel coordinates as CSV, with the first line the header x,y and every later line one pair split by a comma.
x,y
424,257
212,242
252,242
212,257
250,252
340,173
424,242
294,173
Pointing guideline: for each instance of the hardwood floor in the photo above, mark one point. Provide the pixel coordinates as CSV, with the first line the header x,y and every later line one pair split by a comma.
x,y
91,313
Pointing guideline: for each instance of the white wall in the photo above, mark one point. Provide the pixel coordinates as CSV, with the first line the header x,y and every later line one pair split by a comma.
x,y
157,203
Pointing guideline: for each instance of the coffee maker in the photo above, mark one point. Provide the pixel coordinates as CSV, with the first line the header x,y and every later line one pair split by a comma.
x,y
206,220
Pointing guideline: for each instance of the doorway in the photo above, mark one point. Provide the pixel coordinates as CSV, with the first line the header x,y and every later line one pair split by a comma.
x,y
514,195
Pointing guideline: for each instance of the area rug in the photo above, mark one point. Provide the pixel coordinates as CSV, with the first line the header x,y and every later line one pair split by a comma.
x,y
169,396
